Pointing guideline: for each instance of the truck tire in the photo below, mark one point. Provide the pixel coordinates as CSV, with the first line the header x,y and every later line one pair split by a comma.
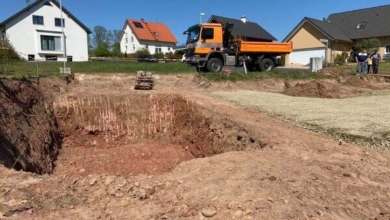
x,y
267,65
214,65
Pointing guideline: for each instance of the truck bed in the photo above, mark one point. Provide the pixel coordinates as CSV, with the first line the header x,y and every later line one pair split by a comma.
x,y
264,47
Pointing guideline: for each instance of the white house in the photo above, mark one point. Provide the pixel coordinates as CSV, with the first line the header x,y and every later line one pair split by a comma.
x,y
139,34
36,33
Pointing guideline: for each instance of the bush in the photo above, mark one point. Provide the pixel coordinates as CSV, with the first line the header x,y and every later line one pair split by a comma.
x,y
7,50
7,54
142,52
341,58
159,55
179,54
170,55
102,50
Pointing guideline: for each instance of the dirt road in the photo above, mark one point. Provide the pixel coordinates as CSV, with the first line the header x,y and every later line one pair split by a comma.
x,y
281,172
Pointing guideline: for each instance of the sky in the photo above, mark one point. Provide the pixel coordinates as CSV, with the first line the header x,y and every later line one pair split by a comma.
x,y
278,17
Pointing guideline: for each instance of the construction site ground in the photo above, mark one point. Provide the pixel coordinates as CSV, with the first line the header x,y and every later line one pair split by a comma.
x,y
280,150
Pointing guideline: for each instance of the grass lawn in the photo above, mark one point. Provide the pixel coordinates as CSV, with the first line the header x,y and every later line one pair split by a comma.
x,y
256,76
52,68
27,69
384,67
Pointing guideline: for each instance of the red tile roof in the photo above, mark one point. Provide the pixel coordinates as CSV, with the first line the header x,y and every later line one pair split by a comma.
x,y
151,31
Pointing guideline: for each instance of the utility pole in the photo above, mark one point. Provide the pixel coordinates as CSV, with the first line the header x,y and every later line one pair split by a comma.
x,y
63,37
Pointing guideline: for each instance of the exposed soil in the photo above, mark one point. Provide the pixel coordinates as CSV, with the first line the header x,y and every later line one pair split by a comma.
x,y
318,89
144,158
29,135
178,153
344,87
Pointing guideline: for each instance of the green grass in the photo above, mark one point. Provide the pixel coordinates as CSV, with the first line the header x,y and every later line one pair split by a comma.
x,y
383,67
27,69
256,76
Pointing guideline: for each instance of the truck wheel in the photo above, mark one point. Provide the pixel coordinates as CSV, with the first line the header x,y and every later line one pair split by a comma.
x,y
214,65
267,65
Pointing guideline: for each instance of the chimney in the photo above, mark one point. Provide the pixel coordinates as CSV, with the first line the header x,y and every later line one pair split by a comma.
x,y
142,20
243,19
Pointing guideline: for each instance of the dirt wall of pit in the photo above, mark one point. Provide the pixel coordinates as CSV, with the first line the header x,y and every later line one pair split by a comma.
x,y
29,138
108,121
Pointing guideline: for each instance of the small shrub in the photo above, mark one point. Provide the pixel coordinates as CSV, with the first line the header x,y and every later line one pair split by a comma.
x,y
141,52
159,55
341,58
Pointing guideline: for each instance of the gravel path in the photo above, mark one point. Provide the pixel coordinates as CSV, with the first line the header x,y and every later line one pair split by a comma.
x,y
366,117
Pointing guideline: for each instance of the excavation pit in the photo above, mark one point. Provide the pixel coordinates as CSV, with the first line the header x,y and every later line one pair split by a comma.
x,y
45,132
139,134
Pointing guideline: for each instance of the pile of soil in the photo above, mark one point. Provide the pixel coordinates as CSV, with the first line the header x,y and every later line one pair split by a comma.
x,y
334,71
29,137
317,89
359,81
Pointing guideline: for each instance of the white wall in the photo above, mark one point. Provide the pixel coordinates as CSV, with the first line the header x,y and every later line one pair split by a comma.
x,y
26,36
133,43
129,43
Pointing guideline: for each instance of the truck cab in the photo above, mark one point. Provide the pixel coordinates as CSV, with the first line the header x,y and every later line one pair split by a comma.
x,y
203,42
211,46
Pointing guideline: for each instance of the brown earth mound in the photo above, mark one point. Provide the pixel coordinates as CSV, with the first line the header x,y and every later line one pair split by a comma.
x,y
359,81
317,89
28,135
334,71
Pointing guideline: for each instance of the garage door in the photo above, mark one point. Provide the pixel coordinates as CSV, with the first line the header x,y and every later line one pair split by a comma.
x,y
303,57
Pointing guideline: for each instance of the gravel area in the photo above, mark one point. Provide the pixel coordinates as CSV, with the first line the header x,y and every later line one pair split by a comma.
x,y
361,118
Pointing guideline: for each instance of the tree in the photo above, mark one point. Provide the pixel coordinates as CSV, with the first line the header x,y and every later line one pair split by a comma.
x,y
100,36
7,53
115,42
368,44
102,50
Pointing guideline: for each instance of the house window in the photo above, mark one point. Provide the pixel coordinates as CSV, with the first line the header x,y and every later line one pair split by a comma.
x,y
133,47
31,57
50,43
57,22
51,58
387,48
147,46
169,48
37,19
138,24
157,49
361,25
132,39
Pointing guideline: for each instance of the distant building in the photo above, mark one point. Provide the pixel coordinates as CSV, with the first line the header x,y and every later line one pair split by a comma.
x,y
339,33
36,33
139,34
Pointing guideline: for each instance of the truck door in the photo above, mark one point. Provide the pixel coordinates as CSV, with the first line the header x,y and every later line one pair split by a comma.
x,y
209,41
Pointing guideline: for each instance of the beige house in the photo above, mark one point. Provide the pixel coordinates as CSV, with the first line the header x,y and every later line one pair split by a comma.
x,y
338,33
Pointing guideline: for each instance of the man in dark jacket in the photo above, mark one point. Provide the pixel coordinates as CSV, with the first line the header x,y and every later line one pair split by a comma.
x,y
376,58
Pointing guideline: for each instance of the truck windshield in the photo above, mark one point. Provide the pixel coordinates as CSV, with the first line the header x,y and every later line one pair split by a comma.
x,y
193,34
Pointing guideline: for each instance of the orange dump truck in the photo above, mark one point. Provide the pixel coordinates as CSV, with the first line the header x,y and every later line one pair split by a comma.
x,y
211,46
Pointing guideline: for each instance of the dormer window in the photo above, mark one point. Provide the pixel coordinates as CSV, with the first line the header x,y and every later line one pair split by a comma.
x,y
361,25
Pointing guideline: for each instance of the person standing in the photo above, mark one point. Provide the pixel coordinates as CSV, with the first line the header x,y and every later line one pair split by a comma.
x,y
369,65
376,58
361,59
